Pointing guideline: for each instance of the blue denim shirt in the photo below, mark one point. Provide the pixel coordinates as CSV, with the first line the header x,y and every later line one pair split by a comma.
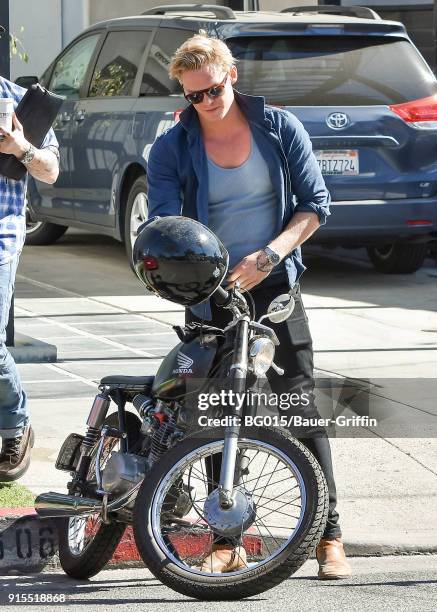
x,y
178,172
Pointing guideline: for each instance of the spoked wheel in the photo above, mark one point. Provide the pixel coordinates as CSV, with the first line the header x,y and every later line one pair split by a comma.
x,y
279,511
86,544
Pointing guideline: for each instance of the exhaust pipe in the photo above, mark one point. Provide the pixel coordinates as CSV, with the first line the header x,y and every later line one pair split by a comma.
x,y
55,505
58,504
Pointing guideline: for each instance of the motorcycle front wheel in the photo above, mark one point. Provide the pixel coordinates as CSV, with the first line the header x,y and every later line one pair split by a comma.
x,y
279,513
86,544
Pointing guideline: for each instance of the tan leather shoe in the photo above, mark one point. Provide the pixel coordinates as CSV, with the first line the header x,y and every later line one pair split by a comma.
x,y
225,558
333,564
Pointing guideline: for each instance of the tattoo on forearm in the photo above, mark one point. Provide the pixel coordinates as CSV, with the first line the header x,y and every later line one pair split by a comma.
x,y
263,264
44,164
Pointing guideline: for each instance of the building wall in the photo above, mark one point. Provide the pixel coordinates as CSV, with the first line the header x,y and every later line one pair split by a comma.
x,y
48,26
416,15
100,10
395,3
278,5
41,35
75,18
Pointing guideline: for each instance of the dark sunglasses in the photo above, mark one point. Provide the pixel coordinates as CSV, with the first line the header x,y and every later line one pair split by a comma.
x,y
196,97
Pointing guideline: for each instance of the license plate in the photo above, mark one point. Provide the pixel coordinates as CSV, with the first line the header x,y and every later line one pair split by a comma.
x,y
344,163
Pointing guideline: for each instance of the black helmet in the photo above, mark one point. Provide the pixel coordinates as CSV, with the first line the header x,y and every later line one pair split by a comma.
x,y
179,259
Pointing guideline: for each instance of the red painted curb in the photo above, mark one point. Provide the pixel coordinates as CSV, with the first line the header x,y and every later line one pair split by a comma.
x,y
126,550
195,547
17,511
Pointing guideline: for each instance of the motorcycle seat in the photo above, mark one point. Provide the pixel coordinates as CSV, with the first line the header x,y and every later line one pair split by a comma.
x,y
141,383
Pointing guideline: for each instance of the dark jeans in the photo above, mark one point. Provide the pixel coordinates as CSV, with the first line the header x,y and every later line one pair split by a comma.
x,y
295,356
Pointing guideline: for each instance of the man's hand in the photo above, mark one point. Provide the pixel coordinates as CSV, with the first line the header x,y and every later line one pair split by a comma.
x,y
14,142
251,270
45,164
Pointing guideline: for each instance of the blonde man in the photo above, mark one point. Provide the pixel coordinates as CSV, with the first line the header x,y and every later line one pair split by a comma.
x,y
234,164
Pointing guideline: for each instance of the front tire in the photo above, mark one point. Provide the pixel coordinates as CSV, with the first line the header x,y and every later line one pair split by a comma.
x,y
86,544
166,549
398,258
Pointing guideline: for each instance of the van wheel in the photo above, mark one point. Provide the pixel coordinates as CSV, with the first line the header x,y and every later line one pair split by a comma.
x,y
398,258
136,213
39,233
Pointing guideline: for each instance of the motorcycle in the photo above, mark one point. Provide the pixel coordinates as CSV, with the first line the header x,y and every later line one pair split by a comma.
x,y
186,478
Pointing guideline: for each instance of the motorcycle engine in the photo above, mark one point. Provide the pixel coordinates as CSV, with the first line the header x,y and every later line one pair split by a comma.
x,y
122,472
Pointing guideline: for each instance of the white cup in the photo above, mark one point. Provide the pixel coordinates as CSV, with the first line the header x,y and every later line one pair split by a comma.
x,y
6,112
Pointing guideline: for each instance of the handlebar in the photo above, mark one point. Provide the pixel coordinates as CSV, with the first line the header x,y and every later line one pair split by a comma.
x,y
222,297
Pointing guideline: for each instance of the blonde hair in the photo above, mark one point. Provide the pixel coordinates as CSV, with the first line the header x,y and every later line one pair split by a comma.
x,y
198,51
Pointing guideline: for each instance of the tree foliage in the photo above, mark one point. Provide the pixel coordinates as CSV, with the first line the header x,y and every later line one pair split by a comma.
x,y
16,47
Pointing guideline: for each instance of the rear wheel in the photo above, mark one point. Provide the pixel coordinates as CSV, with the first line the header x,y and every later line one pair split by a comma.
x,y
136,213
398,258
86,544
39,233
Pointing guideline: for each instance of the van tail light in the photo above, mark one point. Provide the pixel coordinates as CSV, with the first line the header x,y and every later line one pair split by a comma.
x,y
419,222
421,114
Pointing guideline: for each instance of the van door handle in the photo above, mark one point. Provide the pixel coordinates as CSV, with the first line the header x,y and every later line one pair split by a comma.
x,y
80,116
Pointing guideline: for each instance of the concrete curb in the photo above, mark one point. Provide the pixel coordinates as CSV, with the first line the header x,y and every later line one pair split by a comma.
x,y
30,350
29,544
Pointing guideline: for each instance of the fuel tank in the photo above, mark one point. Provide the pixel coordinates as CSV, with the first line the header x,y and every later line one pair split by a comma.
x,y
185,368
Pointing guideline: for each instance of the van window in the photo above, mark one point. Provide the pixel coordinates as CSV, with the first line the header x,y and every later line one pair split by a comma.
x,y
71,67
156,81
117,65
331,70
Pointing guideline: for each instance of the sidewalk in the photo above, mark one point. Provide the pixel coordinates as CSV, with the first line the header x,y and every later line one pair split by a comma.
x,y
387,488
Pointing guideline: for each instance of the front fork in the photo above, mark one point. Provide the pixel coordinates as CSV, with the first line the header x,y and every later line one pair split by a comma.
x,y
238,376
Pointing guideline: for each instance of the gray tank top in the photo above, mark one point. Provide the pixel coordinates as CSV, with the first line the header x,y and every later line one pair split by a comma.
x,y
242,205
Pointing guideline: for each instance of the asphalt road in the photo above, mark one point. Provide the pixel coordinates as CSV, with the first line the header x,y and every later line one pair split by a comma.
x,y
403,584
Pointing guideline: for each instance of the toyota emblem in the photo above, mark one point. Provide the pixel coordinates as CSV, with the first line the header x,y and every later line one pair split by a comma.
x,y
337,121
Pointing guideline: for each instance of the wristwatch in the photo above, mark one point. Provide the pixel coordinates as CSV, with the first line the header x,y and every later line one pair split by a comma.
x,y
28,156
272,257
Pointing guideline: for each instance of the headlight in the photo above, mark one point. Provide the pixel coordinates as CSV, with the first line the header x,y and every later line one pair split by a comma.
x,y
261,355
